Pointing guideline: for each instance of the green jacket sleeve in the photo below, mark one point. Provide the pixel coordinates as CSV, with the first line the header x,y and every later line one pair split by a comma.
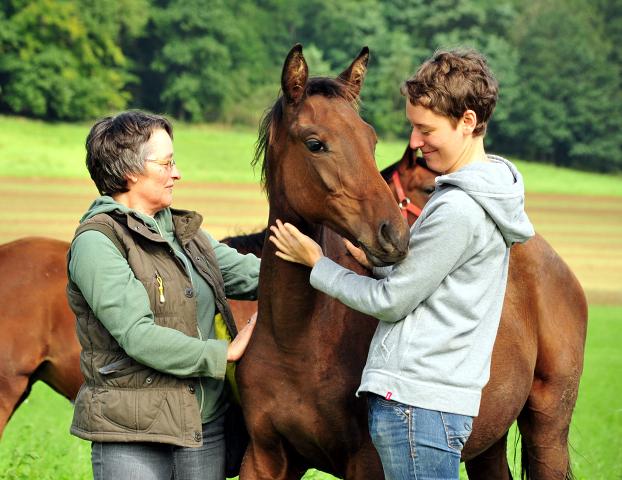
x,y
239,272
121,303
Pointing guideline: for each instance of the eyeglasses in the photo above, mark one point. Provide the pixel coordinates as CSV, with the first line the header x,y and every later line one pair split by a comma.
x,y
165,163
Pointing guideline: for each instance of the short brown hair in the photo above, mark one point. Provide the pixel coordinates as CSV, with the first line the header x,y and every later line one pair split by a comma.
x,y
118,145
452,82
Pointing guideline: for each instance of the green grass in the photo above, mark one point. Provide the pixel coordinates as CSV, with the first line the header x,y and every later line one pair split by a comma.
x,y
37,445
596,430
213,153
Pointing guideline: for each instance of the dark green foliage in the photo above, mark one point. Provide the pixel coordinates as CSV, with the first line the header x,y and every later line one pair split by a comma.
x,y
568,103
558,62
60,59
212,56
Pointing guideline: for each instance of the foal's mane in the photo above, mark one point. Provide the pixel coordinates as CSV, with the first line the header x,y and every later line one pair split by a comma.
x,y
273,118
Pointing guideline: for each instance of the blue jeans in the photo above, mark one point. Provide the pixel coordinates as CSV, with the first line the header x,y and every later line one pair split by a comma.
x,y
161,461
414,443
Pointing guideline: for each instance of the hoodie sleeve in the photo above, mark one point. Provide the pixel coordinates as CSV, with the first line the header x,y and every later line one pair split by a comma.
x,y
443,241
122,304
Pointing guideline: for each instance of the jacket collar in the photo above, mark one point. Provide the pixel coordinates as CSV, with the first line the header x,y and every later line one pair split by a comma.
x,y
186,224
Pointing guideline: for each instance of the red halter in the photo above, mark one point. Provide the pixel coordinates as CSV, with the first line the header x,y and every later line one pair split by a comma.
x,y
404,201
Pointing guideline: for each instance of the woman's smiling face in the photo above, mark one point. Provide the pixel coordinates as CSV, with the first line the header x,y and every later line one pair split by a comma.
x,y
443,145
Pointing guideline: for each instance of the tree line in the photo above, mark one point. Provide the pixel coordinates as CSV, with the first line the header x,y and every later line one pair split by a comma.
x,y
558,62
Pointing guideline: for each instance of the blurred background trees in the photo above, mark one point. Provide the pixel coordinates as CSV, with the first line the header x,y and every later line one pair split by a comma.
x,y
558,61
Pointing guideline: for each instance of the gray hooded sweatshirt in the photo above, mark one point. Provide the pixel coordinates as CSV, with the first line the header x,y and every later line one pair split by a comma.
x,y
439,309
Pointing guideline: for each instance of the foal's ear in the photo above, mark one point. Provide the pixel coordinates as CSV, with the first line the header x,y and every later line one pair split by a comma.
x,y
295,75
355,73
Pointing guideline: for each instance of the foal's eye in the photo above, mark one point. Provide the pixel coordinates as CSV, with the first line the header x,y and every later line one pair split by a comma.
x,y
429,190
315,145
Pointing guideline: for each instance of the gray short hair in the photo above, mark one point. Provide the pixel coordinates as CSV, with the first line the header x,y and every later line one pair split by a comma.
x,y
118,145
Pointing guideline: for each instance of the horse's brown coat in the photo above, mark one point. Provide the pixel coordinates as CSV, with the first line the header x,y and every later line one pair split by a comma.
x,y
38,340
299,372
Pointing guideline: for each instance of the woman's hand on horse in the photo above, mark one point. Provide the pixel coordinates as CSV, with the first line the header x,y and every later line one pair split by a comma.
x,y
238,346
295,246
358,254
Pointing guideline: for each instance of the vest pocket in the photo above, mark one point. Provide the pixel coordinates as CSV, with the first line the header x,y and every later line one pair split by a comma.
x,y
133,410
123,367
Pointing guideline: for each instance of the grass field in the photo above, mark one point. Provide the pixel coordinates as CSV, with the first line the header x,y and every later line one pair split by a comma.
x,y
36,444
223,154
45,189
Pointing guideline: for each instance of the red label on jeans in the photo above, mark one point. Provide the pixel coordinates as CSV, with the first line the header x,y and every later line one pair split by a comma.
x,y
388,396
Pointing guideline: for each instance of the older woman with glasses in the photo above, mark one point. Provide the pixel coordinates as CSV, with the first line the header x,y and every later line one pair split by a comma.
x,y
149,289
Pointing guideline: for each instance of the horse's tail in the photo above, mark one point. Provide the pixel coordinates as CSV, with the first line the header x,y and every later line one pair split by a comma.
x,y
525,473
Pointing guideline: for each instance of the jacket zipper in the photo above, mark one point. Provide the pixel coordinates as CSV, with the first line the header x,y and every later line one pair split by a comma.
x,y
160,285
161,288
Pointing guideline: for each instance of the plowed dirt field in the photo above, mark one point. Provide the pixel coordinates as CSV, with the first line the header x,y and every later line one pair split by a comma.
x,y
585,231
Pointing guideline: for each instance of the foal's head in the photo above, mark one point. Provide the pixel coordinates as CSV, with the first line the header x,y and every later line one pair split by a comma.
x,y
416,180
318,160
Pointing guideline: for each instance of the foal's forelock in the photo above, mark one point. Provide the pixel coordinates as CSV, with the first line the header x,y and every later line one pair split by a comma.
x,y
272,121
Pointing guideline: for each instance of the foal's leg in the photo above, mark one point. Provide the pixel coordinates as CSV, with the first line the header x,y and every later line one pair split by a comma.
x,y
20,356
13,391
545,419
366,464
544,424
491,464
269,460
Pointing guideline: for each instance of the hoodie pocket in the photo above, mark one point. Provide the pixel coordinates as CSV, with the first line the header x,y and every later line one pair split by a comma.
x,y
388,343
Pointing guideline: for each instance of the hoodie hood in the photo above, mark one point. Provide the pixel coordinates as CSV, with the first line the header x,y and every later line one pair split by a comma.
x,y
106,204
497,186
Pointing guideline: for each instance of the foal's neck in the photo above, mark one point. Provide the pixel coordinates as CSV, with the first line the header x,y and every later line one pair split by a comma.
x,y
287,299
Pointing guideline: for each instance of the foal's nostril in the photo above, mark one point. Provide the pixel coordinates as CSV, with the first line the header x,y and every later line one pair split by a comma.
x,y
386,234
390,239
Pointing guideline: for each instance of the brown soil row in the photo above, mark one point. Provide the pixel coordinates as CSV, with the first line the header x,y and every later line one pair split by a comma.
x,y
52,208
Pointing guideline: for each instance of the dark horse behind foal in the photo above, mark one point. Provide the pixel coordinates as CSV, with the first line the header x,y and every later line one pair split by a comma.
x,y
303,365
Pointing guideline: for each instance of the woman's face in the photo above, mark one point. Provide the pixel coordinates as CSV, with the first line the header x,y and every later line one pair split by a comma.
x,y
444,147
154,191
